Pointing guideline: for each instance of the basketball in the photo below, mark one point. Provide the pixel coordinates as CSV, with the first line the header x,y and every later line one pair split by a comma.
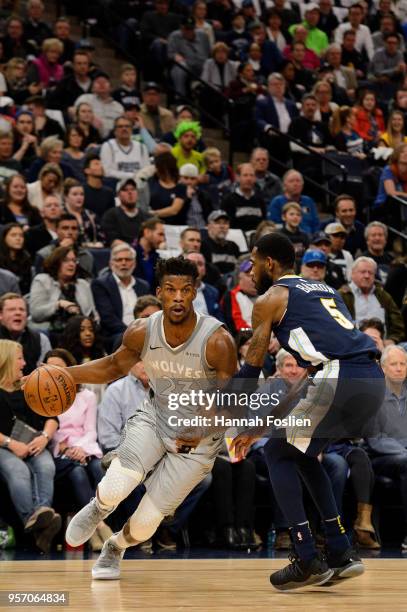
x,y
50,390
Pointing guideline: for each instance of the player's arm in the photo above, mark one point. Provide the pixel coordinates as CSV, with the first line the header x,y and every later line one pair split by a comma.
x,y
117,364
221,355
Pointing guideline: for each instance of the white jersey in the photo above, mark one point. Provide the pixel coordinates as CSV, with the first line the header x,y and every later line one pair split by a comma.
x,y
123,162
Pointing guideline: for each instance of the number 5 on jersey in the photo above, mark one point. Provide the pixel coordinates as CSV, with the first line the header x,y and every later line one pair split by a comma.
x,y
330,305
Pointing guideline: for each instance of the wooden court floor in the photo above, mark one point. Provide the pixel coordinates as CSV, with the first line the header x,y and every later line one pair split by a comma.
x,y
223,585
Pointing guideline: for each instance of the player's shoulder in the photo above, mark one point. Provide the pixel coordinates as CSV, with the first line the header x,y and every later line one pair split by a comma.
x,y
135,334
221,339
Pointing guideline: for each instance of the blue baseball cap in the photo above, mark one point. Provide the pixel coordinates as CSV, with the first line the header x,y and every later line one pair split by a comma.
x,y
314,257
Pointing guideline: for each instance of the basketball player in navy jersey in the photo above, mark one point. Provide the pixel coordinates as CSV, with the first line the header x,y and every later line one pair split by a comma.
x,y
310,320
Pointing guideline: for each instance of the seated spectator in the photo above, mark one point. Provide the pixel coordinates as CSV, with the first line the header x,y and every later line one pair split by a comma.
x,y
337,253
387,67
146,306
199,14
127,93
26,148
187,134
16,206
219,174
20,461
311,61
8,165
395,134
75,448
18,86
98,198
363,36
237,304
238,38
322,91
34,27
50,182
182,113
345,213
89,124
50,152
383,21
67,234
121,156
393,182
62,31
316,39
344,76
267,183
44,125
244,205
207,296
90,234
123,222
369,123
293,185
333,275
166,195
328,21
292,215
216,249
365,298
58,293
102,103
313,265
218,71
73,85
15,42
198,202
73,155
157,119
376,235
150,238
14,257
294,91
14,326
42,234
344,136
274,32
303,77
116,292
389,449
46,68
375,329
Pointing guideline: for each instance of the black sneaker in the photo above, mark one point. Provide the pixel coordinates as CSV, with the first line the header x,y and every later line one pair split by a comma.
x,y
345,565
301,573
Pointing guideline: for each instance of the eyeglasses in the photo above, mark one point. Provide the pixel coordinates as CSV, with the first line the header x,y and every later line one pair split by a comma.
x,y
70,260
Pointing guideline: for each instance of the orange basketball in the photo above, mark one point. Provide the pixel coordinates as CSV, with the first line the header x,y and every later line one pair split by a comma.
x,y
50,390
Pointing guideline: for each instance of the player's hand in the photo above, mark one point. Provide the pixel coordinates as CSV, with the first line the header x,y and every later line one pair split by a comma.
x,y
242,443
37,445
186,444
20,449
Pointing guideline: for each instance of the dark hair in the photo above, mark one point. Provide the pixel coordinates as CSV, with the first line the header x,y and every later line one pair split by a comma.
x,y
391,35
176,266
62,354
53,262
89,159
150,224
69,184
66,217
20,263
373,323
189,229
36,100
343,196
70,339
143,302
363,94
73,128
278,247
166,165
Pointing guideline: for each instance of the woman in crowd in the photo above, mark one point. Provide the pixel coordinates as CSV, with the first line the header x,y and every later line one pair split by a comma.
x,y
167,195
199,11
76,451
49,182
58,294
322,90
46,68
73,155
219,70
25,139
395,134
273,30
50,151
16,207
89,228
345,138
14,257
89,124
26,466
369,122
19,87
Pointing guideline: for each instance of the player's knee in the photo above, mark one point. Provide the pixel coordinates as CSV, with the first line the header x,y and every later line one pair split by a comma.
x,y
117,483
146,519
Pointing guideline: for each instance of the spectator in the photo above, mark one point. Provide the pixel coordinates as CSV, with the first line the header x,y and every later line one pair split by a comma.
x,y
18,86
157,119
388,449
344,136
89,124
376,235
122,156
310,61
13,255
50,182
98,198
199,14
190,242
8,165
309,130
58,293
313,265
345,213
27,468
334,275
62,31
369,123
89,229
146,306
316,39
46,68
267,183
365,299
50,150
44,125
127,93
155,28
387,67
237,304
328,21
274,32
375,329
73,85
166,195
395,134
216,248
207,296
294,91
198,202
293,185
123,222
81,337
16,206
322,91
340,256
187,134
292,215
14,326
388,25
244,206
75,448
219,175
364,42
151,237
42,234
102,103
34,27
25,140
73,155
343,76
116,292
15,42
218,71
393,182
183,113
351,57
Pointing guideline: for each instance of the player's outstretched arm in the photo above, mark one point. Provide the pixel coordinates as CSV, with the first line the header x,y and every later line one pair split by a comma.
x,y
117,364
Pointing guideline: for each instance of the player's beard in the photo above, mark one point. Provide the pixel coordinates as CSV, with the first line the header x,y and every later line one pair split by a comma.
x,y
264,284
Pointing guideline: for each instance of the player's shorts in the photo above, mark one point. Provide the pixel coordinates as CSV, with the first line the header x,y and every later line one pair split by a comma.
x,y
342,402
168,476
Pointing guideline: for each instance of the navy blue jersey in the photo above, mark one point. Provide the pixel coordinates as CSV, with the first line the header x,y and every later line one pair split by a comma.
x,y
317,327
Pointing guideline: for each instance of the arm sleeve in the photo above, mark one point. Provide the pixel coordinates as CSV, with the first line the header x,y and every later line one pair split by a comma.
x,y
148,140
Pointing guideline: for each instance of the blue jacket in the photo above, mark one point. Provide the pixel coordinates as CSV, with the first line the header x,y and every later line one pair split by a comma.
x,y
109,304
310,220
211,295
266,114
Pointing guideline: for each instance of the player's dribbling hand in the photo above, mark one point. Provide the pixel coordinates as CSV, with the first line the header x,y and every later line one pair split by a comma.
x,y
241,444
185,445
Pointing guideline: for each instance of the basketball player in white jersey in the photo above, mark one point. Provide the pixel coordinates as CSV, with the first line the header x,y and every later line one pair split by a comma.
x,y
181,350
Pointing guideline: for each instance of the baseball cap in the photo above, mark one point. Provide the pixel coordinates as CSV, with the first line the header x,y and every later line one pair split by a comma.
x,y
320,237
151,85
218,214
312,6
246,3
335,228
245,266
124,182
189,170
314,257
100,73
188,23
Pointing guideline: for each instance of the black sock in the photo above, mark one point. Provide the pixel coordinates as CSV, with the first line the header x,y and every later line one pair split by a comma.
x,y
337,540
303,541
